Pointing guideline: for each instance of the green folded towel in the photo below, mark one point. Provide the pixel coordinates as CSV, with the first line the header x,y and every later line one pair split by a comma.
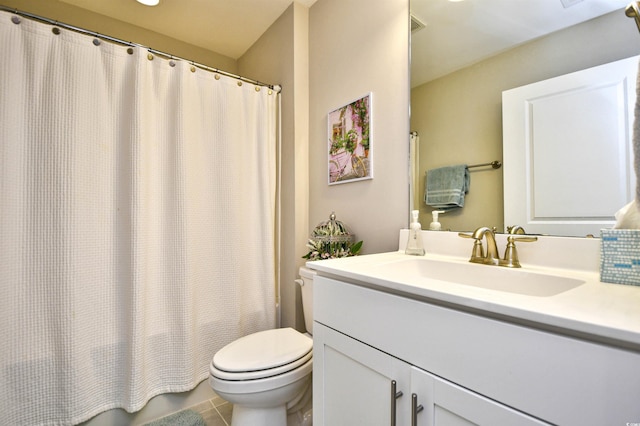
x,y
446,187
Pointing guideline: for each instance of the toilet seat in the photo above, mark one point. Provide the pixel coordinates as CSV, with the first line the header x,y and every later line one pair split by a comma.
x,y
259,374
248,387
261,355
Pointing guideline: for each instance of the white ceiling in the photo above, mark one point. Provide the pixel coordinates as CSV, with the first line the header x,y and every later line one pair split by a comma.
x,y
457,34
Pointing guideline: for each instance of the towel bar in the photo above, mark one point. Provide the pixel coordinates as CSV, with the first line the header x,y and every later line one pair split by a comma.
x,y
493,164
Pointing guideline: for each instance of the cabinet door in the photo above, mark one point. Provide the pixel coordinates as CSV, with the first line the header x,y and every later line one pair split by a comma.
x,y
446,404
353,383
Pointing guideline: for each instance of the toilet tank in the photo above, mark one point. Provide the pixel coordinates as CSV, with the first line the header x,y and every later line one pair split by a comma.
x,y
306,287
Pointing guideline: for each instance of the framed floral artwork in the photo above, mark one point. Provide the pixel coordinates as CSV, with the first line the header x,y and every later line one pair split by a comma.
x,y
349,147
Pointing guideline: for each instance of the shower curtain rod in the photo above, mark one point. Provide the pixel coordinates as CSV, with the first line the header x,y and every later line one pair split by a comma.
x,y
132,44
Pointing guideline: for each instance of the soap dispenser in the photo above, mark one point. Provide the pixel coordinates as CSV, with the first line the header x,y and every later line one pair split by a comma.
x,y
414,245
435,225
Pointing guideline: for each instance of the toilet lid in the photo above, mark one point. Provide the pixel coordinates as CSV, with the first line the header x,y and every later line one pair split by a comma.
x,y
263,350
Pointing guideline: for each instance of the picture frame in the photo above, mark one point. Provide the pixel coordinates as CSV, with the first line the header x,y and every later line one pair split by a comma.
x,y
349,153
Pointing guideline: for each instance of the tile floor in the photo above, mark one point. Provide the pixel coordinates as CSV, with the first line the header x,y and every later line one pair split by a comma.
x,y
215,411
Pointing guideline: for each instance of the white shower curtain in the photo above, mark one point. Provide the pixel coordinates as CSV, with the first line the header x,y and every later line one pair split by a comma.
x,y
414,170
137,211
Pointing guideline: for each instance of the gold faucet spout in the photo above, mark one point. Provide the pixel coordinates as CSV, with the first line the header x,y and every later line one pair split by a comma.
x,y
492,255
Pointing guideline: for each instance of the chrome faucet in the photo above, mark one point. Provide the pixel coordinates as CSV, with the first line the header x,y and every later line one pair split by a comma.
x,y
492,257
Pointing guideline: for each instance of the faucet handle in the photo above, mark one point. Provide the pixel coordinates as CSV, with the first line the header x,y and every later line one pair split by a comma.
x,y
477,254
527,239
515,229
511,253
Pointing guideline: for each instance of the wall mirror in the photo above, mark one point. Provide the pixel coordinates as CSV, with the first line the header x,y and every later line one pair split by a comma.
x,y
464,54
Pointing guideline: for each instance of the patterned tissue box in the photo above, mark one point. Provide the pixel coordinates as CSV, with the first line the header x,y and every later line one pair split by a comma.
x,y
620,256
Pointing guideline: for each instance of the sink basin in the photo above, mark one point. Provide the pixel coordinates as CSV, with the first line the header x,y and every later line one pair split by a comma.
x,y
497,278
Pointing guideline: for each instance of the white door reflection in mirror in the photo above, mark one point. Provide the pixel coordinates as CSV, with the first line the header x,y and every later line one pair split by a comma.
x,y
568,159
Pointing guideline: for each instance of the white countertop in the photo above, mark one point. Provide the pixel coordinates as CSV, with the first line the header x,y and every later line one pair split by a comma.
x,y
599,311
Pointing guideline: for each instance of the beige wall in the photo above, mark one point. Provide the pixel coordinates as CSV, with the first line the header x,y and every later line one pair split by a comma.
x,y
356,47
72,15
459,116
281,56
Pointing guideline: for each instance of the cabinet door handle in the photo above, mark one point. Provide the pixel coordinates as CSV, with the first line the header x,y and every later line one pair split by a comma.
x,y
395,394
415,409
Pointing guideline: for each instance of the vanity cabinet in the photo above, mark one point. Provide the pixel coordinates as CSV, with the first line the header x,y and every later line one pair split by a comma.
x,y
463,367
443,403
360,385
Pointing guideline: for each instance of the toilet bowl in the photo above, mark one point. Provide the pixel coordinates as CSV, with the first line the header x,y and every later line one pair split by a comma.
x,y
266,374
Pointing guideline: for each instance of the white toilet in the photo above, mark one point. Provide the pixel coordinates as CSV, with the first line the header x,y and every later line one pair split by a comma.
x,y
267,374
